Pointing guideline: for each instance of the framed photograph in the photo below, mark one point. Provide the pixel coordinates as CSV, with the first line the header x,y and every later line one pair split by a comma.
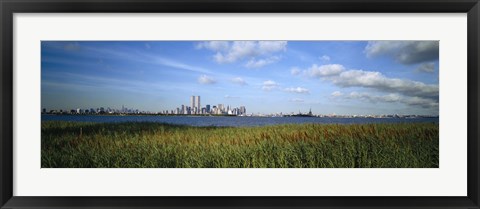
x,y
266,104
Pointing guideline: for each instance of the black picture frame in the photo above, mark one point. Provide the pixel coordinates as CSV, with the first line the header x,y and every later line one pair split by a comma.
x,y
9,7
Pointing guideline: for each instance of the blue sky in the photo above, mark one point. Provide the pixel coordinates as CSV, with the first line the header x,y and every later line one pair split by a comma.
x,y
341,77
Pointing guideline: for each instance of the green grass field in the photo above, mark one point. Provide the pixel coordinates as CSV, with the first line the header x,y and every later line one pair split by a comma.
x,y
155,145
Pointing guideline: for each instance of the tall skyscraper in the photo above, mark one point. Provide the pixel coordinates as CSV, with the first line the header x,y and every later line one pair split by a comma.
x,y
243,110
221,109
197,103
192,102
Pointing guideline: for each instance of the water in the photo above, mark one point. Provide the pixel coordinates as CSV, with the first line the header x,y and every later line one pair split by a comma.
x,y
229,121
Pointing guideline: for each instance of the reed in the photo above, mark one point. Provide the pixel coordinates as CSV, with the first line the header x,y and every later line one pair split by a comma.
x,y
156,145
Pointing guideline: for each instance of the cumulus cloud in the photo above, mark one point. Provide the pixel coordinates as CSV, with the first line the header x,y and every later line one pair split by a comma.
x,y
204,79
214,45
423,102
298,90
374,98
230,52
269,85
405,52
238,80
400,90
390,98
337,94
296,100
271,46
428,67
295,71
325,70
376,80
254,63
325,58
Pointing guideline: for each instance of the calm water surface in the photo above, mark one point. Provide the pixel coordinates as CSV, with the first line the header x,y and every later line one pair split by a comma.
x,y
229,121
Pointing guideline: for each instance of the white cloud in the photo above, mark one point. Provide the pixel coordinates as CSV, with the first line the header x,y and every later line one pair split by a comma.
x,y
325,70
325,58
391,98
298,90
428,67
229,52
272,46
204,79
214,45
405,52
253,63
240,81
269,85
296,100
374,98
295,71
423,102
376,80
337,94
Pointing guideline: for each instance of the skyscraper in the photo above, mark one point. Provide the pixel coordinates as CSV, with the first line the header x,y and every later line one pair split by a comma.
x,y
184,110
197,104
192,102
221,109
243,110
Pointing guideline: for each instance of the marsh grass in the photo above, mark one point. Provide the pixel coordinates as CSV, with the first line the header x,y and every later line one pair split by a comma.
x,y
156,145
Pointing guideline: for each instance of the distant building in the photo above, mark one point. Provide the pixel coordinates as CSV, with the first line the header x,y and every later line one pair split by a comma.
x,y
208,108
243,110
183,110
220,109
197,104
192,102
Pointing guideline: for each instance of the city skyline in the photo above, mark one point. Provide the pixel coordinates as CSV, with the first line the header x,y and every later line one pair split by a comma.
x,y
341,77
195,108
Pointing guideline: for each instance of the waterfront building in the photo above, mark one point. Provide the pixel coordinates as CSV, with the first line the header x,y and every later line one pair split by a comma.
x,y
221,108
207,109
197,104
243,110
182,109
192,102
